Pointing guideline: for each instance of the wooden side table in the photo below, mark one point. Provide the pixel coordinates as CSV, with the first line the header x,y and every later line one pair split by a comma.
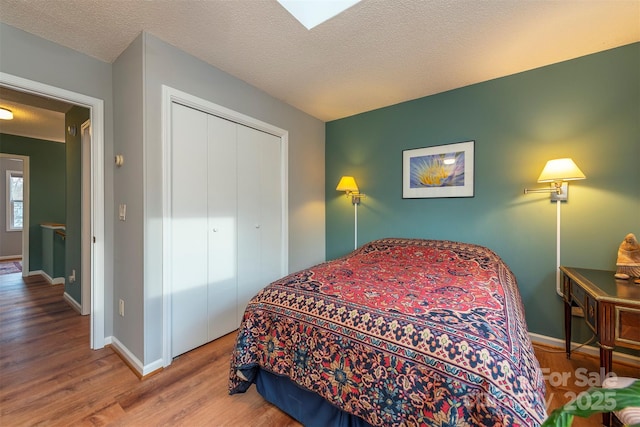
x,y
611,309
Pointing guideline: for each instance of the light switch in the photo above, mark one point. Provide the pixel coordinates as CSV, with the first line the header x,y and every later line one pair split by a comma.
x,y
123,212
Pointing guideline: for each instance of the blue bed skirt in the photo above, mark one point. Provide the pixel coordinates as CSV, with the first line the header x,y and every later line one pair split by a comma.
x,y
306,407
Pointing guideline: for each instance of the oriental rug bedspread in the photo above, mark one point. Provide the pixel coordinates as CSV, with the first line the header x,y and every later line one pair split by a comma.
x,y
400,332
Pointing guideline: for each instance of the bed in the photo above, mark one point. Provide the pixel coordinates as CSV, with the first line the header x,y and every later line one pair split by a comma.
x,y
400,332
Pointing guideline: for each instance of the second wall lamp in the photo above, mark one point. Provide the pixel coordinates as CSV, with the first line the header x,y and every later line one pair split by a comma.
x,y
558,172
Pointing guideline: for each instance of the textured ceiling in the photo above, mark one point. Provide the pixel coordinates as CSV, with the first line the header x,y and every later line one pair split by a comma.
x,y
377,53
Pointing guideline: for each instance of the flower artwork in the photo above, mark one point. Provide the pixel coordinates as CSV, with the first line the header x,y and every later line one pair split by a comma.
x,y
438,171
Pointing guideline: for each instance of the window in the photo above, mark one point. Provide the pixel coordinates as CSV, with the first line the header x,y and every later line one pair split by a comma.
x,y
14,200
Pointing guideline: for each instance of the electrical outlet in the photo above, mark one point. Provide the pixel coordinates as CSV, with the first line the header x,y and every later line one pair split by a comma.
x,y
121,307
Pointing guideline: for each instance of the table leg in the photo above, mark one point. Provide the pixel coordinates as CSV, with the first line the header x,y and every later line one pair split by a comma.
x,y
605,368
567,328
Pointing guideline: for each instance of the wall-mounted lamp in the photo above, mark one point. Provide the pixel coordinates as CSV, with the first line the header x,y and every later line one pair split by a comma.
x,y
6,114
349,186
558,172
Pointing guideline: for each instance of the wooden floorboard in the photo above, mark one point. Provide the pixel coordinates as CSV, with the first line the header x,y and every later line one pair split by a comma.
x,y
50,377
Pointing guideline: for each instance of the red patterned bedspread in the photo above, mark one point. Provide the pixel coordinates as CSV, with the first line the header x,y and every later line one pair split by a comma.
x,y
400,332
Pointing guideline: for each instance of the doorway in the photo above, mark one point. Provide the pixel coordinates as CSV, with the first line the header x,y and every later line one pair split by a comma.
x,y
96,194
15,218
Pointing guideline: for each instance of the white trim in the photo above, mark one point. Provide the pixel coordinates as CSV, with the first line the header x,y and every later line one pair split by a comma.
x,y
167,196
26,206
123,351
152,367
170,95
284,159
73,303
49,279
96,107
85,235
132,360
592,351
11,257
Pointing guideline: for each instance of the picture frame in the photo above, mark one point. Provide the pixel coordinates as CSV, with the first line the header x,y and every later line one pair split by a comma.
x,y
438,171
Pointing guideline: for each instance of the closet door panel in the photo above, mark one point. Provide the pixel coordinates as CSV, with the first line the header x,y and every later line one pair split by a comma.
x,y
249,216
188,220
271,208
223,228
259,212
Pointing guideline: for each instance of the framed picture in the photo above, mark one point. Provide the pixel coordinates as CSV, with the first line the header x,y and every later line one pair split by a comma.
x,y
439,171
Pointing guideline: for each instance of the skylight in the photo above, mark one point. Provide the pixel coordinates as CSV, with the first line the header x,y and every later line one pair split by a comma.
x,y
311,13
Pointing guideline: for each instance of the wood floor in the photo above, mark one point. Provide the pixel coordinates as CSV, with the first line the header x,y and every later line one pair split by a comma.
x,y
49,376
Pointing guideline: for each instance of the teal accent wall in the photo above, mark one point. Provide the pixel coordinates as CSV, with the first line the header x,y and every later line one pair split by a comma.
x,y
75,117
47,176
587,109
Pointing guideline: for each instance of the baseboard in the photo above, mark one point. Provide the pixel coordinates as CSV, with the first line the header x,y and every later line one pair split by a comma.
x,y
11,258
628,359
142,371
51,280
69,299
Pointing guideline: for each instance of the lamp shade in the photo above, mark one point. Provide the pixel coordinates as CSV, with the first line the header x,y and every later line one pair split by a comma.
x,y
6,114
347,183
560,170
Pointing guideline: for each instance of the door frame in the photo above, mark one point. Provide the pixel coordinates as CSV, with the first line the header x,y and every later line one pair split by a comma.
x,y
169,96
96,107
85,235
